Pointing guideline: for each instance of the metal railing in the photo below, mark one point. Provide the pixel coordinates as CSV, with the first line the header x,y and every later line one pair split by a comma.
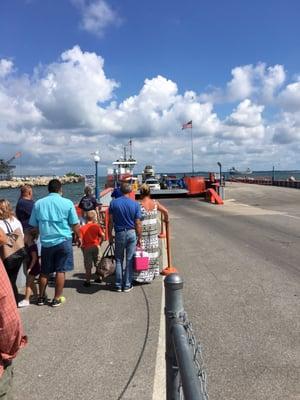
x,y
185,375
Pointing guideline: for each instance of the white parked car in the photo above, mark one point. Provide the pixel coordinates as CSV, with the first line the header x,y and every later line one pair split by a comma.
x,y
153,183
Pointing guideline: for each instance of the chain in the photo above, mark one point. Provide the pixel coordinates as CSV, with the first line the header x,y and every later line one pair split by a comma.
x,y
197,356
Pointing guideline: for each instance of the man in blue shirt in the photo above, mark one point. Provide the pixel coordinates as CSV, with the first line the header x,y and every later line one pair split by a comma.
x,y
56,218
125,217
24,206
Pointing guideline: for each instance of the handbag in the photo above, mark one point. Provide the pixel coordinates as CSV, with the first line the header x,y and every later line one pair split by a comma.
x,y
107,265
14,250
141,260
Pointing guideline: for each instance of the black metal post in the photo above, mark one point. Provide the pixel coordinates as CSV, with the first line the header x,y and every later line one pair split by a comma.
x,y
189,378
273,175
221,182
96,181
173,309
220,167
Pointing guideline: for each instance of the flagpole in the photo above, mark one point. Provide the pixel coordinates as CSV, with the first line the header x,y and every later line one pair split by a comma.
x,y
192,144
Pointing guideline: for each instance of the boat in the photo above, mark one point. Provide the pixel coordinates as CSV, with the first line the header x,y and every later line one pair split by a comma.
x,y
234,171
162,186
122,169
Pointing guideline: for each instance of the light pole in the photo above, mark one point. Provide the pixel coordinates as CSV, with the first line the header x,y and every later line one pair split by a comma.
x,y
96,159
220,166
221,190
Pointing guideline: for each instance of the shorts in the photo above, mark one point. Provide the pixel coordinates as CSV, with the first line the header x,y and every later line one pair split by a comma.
x,y
91,257
57,258
35,270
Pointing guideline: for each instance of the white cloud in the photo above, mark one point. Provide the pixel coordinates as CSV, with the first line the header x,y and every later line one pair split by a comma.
x,y
69,108
246,114
70,92
257,82
287,130
272,79
289,98
6,67
241,84
97,15
245,124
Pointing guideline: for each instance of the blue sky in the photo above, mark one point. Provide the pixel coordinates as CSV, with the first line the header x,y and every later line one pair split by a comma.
x,y
80,75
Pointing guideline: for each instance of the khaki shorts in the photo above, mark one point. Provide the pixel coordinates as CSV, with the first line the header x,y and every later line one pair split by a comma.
x,y
91,257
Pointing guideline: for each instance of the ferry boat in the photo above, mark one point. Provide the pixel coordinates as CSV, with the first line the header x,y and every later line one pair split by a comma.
x,y
123,169
234,171
167,186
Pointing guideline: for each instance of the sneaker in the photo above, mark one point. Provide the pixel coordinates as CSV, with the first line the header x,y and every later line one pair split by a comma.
x,y
23,303
117,289
126,290
56,302
87,284
41,301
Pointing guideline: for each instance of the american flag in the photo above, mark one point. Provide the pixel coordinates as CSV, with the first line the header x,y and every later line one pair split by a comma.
x,y
187,125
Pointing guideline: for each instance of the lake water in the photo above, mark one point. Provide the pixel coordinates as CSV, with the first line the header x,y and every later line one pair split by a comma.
x,y
74,191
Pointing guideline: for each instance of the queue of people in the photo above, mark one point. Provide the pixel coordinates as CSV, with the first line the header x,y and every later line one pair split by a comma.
x,y
54,220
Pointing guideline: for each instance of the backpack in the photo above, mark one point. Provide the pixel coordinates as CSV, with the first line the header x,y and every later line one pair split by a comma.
x,y
86,204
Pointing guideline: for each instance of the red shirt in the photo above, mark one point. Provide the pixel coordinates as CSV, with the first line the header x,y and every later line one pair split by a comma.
x,y
91,234
11,332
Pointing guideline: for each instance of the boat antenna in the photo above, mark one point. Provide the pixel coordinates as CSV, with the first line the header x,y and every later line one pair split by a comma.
x,y
130,148
125,153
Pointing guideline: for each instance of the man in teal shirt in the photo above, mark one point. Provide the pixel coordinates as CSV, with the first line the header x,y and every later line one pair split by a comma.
x,y
56,218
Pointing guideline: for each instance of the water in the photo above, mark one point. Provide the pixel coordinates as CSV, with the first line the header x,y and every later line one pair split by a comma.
x,y
74,191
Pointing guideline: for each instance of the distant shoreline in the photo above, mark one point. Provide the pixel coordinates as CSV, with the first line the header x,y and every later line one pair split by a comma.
x,y
37,181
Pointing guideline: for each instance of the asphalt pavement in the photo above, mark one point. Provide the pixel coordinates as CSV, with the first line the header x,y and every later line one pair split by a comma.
x,y
240,263
99,344
241,267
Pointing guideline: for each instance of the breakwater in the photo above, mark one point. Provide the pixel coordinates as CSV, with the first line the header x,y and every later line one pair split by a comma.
x,y
38,181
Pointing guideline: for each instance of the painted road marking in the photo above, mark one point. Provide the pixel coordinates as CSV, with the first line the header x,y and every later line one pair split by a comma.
x,y
159,385
247,209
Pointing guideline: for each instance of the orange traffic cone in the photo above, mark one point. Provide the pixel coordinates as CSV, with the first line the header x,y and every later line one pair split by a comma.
x,y
169,269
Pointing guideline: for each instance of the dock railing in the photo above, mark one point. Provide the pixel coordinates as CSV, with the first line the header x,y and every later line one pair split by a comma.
x,y
185,376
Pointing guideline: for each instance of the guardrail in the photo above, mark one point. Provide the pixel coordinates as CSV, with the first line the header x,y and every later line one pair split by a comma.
x,y
268,182
186,378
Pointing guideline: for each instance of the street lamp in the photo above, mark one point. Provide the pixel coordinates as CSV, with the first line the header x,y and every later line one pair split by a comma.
x,y
220,166
221,188
96,160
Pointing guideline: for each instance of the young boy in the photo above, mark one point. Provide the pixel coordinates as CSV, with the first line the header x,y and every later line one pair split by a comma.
x,y
33,268
92,236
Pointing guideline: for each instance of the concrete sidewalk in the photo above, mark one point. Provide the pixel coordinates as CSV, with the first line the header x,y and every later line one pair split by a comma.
x,y
98,345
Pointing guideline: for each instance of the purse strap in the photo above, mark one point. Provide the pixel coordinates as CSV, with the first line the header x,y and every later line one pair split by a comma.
x,y
139,248
8,226
109,251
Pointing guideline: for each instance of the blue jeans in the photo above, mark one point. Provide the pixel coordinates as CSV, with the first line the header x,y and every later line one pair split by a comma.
x,y
125,241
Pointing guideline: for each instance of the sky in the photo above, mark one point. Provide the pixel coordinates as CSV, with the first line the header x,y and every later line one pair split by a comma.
x,y
78,76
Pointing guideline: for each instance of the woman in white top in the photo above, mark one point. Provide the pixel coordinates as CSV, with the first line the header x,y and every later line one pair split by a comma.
x,y
8,222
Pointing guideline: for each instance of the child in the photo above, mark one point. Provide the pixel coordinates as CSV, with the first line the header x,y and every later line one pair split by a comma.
x,y
33,267
92,236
